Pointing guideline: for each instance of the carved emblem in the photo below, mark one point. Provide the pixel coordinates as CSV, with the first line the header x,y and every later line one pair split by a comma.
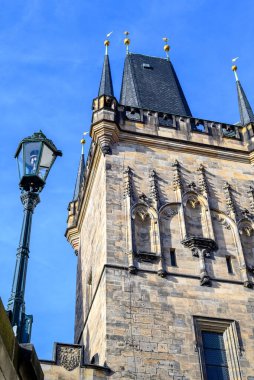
x,y
169,212
223,221
68,357
194,202
246,230
141,211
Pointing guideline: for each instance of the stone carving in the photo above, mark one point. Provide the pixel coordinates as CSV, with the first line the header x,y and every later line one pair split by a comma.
x,y
223,221
142,212
202,180
143,198
192,186
250,193
177,181
193,201
229,199
68,356
246,229
201,247
129,192
168,213
154,186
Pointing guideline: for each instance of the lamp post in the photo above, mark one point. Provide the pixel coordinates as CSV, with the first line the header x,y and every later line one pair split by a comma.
x,y
35,155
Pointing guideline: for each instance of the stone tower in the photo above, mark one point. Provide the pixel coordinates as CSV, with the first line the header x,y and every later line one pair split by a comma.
x,y
162,222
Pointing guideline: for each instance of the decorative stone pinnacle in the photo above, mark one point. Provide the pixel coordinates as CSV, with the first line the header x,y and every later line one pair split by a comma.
x,y
202,180
128,183
229,199
177,181
154,186
250,193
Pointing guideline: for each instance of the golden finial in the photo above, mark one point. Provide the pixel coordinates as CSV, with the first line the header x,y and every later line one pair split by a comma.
x,y
127,42
234,68
166,46
107,42
82,142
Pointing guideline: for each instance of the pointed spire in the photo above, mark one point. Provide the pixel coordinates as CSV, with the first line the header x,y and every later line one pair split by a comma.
x,y
106,85
81,170
245,109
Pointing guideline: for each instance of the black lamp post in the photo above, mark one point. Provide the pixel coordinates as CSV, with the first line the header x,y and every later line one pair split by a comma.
x,y
35,155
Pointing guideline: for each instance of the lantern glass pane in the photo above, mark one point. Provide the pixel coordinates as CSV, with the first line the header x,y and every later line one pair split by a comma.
x,y
31,157
46,161
20,163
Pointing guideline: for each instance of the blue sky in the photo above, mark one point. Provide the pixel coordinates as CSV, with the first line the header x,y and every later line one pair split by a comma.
x,y
51,53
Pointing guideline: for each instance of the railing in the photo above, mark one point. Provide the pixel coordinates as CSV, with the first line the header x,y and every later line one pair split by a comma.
x,y
192,124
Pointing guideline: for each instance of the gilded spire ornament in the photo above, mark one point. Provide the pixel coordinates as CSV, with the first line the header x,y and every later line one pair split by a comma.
x,y
166,47
127,41
81,169
234,68
82,142
107,42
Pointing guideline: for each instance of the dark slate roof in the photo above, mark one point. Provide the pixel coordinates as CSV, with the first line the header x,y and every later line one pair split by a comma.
x,y
151,83
80,175
106,85
245,110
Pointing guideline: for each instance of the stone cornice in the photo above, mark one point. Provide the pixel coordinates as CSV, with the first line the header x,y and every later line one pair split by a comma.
x,y
191,147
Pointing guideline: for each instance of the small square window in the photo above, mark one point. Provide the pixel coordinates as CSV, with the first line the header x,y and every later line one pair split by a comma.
x,y
147,66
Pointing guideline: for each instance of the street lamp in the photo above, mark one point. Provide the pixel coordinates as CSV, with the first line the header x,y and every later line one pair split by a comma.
x,y
35,155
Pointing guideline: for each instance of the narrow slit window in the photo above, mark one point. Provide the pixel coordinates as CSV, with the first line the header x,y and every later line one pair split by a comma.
x,y
173,257
229,264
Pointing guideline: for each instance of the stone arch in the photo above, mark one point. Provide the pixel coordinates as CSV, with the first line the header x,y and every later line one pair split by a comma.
x,y
169,218
145,229
246,231
195,210
226,239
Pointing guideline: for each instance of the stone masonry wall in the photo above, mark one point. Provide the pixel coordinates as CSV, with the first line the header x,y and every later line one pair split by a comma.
x,y
145,201
142,160
150,329
92,257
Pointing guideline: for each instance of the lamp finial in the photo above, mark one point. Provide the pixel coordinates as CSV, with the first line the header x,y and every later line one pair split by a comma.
x,y
166,47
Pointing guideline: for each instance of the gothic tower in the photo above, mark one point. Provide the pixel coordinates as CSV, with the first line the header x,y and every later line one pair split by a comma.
x,y
162,222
